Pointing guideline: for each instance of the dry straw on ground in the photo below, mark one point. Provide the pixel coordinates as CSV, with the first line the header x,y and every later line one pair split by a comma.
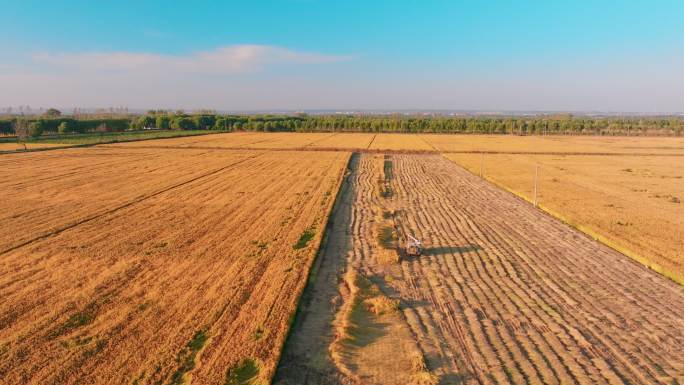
x,y
632,203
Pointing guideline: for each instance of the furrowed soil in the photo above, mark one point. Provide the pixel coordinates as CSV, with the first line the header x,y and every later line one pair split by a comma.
x,y
190,274
503,293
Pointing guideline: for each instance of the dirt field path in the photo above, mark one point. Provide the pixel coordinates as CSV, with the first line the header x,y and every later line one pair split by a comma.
x,y
503,293
305,359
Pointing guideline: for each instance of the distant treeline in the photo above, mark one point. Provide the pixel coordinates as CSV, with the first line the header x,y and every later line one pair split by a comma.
x,y
38,126
535,125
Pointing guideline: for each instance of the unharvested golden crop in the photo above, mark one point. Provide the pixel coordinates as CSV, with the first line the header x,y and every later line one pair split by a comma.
x,y
346,141
180,266
633,203
13,146
232,140
50,191
399,142
295,141
553,144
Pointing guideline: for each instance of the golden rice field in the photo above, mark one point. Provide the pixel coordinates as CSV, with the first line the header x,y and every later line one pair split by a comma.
x,y
502,293
123,266
652,235
556,144
183,261
13,146
298,141
428,143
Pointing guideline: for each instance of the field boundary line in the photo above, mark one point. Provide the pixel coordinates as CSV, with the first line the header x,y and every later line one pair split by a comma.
x,y
371,142
591,234
139,199
428,143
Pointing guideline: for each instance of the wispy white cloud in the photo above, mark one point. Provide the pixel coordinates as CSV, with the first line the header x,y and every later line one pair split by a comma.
x,y
232,59
249,77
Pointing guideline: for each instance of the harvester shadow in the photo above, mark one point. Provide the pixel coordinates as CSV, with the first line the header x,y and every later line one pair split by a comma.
x,y
442,250
437,251
452,379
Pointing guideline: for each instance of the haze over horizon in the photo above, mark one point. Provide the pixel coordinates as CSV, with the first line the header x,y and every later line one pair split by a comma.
x,y
354,55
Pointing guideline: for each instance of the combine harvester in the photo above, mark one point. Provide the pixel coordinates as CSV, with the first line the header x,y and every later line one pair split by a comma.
x,y
408,246
414,247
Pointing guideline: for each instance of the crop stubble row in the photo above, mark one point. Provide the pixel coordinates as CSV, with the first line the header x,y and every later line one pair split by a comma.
x,y
506,294
632,203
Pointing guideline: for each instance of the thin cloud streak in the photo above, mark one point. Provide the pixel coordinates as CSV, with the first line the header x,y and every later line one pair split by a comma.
x,y
234,59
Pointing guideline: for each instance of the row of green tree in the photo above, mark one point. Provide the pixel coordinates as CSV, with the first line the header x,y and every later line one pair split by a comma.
x,y
179,121
39,126
536,125
533,125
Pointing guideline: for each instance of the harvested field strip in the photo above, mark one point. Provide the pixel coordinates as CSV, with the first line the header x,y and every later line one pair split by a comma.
x,y
50,191
356,350
134,295
516,280
628,203
503,293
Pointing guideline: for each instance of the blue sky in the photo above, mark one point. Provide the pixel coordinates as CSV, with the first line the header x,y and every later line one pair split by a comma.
x,y
307,54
